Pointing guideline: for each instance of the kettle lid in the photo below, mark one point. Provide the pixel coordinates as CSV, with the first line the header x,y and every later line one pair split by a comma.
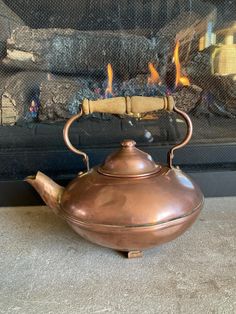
x,y
129,161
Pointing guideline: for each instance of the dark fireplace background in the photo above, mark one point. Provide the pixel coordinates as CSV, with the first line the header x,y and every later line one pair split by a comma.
x,y
30,145
105,14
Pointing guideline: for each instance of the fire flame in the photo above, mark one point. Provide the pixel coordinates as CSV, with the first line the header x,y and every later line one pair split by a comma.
x,y
154,78
108,92
179,79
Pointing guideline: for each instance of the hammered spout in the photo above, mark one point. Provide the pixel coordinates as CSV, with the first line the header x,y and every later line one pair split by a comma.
x,y
49,190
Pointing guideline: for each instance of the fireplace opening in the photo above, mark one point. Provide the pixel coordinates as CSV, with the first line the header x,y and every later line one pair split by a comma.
x,y
56,54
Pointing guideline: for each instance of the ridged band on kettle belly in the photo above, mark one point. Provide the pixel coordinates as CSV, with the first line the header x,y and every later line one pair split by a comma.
x,y
136,238
121,210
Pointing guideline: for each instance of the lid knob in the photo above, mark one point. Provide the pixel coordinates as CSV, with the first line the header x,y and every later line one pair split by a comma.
x,y
128,143
129,161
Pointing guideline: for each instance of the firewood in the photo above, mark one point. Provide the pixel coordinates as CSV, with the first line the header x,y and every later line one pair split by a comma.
x,y
8,22
187,27
88,52
18,92
72,51
184,23
222,87
188,97
4,76
60,98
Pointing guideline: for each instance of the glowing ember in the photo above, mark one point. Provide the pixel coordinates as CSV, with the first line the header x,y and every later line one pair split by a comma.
x,y
154,78
34,107
108,92
179,79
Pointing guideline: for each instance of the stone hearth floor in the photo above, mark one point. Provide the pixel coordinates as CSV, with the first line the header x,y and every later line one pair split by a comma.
x,y
46,268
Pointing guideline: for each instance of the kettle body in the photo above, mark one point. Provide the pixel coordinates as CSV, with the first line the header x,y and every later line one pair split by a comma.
x,y
132,214
129,203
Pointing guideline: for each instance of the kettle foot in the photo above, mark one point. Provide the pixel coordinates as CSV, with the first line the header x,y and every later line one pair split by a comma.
x,y
135,254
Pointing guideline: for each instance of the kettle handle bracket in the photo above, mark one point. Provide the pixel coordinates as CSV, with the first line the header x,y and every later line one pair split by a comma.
x,y
161,104
68,142
185,140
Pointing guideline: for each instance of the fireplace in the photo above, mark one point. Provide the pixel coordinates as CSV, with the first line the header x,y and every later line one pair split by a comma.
x,y
54,55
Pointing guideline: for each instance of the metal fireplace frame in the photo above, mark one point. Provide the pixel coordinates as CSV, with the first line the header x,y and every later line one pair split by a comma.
x,y
213,166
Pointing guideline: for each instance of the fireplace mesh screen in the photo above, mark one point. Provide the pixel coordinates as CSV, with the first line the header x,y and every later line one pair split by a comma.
x,y
56,53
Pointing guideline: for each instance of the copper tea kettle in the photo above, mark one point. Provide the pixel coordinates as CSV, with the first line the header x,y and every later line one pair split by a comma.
x,y
129,203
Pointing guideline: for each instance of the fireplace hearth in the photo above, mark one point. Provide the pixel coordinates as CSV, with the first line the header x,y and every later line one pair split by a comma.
x,y
56,54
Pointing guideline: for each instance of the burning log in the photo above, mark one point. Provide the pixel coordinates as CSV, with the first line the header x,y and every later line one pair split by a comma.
x,y
61,98
186,28
188,97
8,22
72,51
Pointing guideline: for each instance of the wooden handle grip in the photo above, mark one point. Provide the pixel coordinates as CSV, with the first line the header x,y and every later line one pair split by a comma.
x,y
128,105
